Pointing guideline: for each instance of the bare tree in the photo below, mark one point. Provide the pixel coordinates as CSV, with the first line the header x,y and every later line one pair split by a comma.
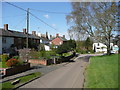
x,y
98,19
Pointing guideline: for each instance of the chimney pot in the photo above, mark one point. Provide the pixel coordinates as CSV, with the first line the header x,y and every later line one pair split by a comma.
x,y
63,36
6,26
47,35
50,36
24,31
57,35
43,35
34,32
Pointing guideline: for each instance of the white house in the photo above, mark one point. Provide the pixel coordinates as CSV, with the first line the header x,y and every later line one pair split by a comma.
x,y
47,47
6,39
100,47
44,40
115,49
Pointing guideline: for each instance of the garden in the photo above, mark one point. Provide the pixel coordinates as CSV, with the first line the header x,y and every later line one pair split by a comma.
x,y
61,54
6,61
10,66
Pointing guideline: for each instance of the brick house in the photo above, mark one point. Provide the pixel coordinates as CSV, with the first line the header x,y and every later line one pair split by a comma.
x,y
58,40
18,39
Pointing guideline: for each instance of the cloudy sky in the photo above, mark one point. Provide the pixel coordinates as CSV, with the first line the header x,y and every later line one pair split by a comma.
x,y
46,11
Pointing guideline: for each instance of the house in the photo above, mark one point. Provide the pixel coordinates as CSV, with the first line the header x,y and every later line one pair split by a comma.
x,y
45,41
58,40
100,47
11,38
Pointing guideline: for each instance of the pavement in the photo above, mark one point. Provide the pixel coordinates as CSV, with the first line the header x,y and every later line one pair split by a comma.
x,y
68,76
35,68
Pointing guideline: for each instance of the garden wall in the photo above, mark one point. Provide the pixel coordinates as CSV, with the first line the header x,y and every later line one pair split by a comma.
x,y
15,70
42,62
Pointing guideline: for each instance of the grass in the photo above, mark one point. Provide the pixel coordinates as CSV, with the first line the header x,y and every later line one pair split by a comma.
x,y
66,54
102,72
23,79
3,65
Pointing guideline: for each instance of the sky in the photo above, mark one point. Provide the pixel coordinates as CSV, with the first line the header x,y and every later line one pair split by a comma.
x,y
16,18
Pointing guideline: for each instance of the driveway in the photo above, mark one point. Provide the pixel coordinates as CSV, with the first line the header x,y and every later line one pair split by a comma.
x,y
69,76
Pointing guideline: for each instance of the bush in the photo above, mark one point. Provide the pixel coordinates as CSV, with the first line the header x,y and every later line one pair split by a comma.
x,y
24,54
12,62
34,54
4,57
16,57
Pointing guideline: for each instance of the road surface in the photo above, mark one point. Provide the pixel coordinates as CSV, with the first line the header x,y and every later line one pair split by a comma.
x,y
69,76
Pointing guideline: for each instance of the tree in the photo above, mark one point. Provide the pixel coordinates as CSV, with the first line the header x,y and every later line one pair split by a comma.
x,y
97,19
70,45
88,44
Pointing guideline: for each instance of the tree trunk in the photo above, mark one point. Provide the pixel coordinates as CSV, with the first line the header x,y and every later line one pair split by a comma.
x,y
108,46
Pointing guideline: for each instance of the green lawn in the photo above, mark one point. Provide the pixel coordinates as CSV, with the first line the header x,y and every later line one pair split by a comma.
x,y
66,54
3,65
24,79
102,72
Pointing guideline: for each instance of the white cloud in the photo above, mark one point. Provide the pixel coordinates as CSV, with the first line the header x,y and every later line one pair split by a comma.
x,y
53,25
46,16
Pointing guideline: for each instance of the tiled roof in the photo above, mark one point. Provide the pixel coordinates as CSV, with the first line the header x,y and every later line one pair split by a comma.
x,y
11,33
62,38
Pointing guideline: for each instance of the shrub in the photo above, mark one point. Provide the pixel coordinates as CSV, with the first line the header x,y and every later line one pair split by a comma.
x,y
34,54
24,54
12,62
4,57
16,57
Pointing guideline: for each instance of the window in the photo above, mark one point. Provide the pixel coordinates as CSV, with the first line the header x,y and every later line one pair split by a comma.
x,y
4,50
98,48
98,44
4,40
60,43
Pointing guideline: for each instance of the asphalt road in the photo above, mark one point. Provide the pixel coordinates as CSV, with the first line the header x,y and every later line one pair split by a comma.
x,y
69,76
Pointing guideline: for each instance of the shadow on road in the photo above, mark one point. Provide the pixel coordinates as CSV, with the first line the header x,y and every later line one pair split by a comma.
x,y
86,58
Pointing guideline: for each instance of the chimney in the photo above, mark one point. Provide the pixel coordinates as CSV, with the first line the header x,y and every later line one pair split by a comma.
x,y
47,35
24,31
43,35
6,26
63,36
57,35
34,32
50,36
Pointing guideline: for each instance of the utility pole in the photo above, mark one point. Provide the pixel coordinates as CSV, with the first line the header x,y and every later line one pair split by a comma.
x,y
27,28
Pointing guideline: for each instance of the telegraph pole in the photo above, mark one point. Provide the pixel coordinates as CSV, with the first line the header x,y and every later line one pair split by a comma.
x,y
27,28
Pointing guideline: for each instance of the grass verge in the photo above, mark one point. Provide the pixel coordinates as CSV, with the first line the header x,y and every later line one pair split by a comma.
x,y
102,72
23,80
3,65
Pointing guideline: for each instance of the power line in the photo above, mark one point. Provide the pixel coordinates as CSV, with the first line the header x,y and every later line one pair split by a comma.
x,y
15,6
12,16
50,11
42,21
31,14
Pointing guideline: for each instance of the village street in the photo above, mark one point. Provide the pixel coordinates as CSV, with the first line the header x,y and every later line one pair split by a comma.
x,y
69,76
